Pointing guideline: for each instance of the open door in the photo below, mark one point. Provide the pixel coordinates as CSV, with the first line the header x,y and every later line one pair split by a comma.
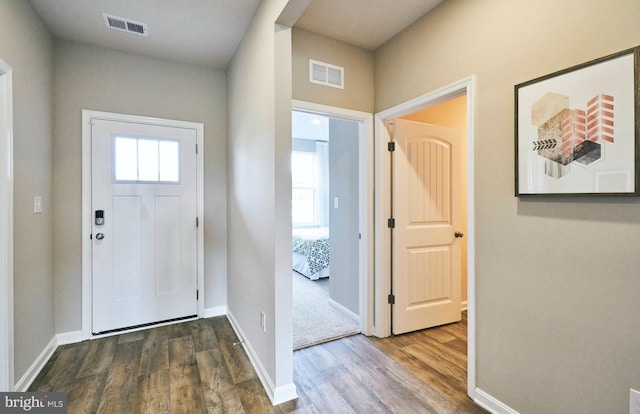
x,y
426,206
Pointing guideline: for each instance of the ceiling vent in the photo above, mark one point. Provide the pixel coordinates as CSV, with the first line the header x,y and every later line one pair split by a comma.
x,y
118,23
326,74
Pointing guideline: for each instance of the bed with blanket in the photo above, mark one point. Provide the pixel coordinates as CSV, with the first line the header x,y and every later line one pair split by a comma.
x,y
311,252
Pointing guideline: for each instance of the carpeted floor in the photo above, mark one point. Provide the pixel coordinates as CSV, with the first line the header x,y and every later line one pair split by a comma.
x,y
314,320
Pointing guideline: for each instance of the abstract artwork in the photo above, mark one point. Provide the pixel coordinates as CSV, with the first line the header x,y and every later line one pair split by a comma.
x,y
576,130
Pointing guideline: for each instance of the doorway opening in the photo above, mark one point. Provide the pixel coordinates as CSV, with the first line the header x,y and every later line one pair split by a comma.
x,y
329,220
383,265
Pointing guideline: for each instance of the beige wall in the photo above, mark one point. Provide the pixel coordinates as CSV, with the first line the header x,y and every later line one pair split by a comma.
x,y
358,71
27,47
106,80
259,197
557,278
452,114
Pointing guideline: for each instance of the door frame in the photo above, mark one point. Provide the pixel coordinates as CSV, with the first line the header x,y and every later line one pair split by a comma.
x,y
6,229
383,212
365,149
87,117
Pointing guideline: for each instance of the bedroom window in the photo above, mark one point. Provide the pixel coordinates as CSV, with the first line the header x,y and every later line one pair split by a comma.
x,y
304,204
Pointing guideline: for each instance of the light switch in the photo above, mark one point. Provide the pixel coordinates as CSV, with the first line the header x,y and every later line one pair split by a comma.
x,y
335,202
37,204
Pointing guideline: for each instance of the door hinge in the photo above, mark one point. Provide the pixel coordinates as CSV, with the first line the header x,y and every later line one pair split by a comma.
x,y
391,146
196,148
197,222
391,223
391,299
197,294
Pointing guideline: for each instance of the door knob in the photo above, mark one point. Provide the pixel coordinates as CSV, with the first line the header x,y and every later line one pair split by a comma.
x,y
99,236
458,235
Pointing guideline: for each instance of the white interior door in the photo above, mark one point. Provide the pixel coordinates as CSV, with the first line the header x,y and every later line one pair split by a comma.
x,y
144,229
426,250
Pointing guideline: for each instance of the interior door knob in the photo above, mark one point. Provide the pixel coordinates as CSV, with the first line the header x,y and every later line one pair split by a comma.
x,y
458,235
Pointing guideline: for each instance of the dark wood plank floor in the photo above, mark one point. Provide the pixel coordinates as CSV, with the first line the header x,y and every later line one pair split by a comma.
x,y
193,367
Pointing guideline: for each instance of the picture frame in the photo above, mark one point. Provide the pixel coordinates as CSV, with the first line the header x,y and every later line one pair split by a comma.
x,y
577,130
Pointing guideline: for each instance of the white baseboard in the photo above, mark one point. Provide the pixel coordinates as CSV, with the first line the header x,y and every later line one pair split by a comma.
x,y
492,404
27,379
284,394
215,311
32,373
344,310
464,306
69,337
276,395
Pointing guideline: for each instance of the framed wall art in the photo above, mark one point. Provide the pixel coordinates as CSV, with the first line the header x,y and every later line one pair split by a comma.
x,y
576,130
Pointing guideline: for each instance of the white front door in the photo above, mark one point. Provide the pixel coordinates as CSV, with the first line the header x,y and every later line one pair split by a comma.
x,y
426,250
144,229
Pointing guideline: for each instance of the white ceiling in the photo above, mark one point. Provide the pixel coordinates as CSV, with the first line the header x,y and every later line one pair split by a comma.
x,y
204,32
207,32
365,23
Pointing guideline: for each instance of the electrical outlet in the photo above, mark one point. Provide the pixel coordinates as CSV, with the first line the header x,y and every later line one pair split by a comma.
x,y
263,321
634,401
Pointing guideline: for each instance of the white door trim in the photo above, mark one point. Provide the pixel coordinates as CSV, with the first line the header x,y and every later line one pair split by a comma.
x,y
6,228
366,202
87,116
382,206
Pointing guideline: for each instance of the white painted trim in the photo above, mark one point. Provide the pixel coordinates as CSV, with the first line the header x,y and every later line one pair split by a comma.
x,y
215,311
72,337
366,251
344,310
382,208
382,276
285,393
470,89
6,229
86,226
23,384
276,395
492,404
199,127
87,116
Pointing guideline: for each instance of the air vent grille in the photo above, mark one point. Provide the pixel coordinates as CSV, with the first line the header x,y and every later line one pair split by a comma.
x,y
326,74
119,23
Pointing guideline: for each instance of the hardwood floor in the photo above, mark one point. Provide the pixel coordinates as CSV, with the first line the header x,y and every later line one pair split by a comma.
x,y
193,367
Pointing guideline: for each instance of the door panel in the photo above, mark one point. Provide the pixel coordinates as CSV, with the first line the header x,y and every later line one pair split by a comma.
x,y
426,278
168,254
144,267
127,276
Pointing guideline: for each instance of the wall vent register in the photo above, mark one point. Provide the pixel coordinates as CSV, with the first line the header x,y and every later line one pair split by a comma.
x,y
326,74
